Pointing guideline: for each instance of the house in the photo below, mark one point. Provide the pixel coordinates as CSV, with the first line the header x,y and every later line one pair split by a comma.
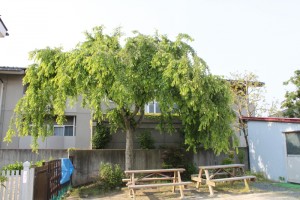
x,y
74,133
3,29
274,147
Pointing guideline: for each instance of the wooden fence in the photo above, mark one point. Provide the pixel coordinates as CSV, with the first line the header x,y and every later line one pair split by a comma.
x,y
46,180
19,184
39,183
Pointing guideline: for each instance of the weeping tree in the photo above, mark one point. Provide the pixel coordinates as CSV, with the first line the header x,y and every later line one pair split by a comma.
x,y
127,73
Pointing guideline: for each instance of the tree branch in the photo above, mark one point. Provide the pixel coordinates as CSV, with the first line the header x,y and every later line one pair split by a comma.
x,y
136,110
138,122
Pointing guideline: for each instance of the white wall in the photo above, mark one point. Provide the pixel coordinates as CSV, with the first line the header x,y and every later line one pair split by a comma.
x,y
267,147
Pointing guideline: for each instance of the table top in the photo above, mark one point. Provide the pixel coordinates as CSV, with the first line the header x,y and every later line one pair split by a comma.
x,y
222,166
154,170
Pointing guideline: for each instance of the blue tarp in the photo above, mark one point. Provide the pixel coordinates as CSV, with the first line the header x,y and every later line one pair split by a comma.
x,y
66,170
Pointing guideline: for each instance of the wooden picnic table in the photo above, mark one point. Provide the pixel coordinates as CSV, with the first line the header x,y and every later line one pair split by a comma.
x,y
139,179
212,174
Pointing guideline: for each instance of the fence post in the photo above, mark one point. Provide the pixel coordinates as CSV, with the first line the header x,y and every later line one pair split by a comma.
x,y
25,190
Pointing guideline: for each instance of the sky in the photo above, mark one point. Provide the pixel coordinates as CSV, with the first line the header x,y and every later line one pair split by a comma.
x,y
259,36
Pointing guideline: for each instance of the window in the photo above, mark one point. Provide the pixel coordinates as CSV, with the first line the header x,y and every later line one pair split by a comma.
x,y
152,107
293,143
68,129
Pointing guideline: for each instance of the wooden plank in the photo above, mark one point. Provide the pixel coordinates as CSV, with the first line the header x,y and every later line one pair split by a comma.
x,y
157,185
149,179
154,171
222,166
234,178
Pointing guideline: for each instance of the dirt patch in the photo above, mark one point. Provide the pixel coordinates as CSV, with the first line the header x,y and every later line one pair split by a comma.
x,y
259,191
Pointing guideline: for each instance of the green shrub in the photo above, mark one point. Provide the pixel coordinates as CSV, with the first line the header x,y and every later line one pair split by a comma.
x,y
260,176
241,156
177,158
101,136
146,141
2,180
110,175
15,166
229,159
39,163
173,157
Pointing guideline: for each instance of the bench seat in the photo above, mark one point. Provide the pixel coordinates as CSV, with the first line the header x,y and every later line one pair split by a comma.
x,y
252,178
149,179
157,185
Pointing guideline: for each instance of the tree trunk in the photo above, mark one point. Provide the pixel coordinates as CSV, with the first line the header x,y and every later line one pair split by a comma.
x,y
129,149
247,147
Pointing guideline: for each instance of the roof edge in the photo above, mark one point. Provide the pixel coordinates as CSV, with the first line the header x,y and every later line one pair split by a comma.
x,y
272,119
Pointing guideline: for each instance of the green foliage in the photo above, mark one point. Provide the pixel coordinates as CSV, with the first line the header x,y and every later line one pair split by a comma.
x,y
226,161
15,166
241,156
2,180
110,175
260,176
292,98
146,141
39,163
177,158
126,77
229,159
101,136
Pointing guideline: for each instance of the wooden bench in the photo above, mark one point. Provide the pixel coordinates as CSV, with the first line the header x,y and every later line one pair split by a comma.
x,y
154,175
154,185
149,179
213,182
210,177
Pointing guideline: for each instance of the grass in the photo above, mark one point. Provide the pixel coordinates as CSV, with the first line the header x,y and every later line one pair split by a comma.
x,y
288,185
92,190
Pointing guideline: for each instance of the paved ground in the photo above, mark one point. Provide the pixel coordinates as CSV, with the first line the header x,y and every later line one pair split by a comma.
x,y
259,191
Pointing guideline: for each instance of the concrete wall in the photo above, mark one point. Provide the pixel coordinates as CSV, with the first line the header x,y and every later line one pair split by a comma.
x,y
161,139
267,147
10,156
87,162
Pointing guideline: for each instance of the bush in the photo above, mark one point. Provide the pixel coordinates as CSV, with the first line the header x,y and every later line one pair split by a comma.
x,y
146,141
177,158
111,175
101,136
2,180
15,166
229,159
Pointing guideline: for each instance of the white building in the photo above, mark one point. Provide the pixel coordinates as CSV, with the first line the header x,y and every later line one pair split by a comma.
x,y
274,147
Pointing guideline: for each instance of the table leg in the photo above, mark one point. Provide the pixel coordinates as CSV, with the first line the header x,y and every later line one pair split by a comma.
x,y
246,185
132,192
199,178
174,181
180,186
211,191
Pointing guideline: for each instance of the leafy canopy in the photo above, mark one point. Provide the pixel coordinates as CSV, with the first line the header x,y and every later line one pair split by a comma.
x,y
101,70
292,98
